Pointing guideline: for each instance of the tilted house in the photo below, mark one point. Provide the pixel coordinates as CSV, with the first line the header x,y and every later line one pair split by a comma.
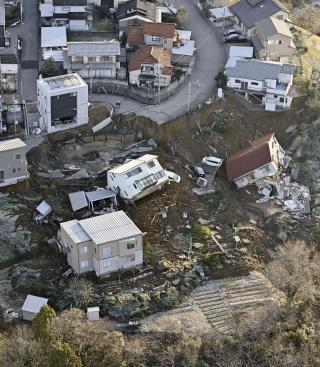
x,y
136,12
137,178
13,162
93,59
104,244
249,12
269,82
150,66
273,40
263,158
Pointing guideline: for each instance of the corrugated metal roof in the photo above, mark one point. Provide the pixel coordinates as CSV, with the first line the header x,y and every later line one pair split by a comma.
x,y
34,303
133,163
99,195
75,231
98,48
110,227
53,36
11,144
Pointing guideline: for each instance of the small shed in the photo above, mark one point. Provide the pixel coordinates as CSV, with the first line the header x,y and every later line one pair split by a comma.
x,y
32,306
42,210
93,313
101,197
78,200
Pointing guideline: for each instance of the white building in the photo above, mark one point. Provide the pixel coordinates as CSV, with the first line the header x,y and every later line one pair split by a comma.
x,y
13,162
262,158
53,41
32,306
62,102
70,13
270,82
137,178
104,244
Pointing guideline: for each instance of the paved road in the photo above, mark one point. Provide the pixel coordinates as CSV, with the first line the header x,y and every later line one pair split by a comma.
x,y
210,60
28,31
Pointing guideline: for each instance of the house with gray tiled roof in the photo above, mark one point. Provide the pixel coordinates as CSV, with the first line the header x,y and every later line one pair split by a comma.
x,y
264,82
249,12
273,40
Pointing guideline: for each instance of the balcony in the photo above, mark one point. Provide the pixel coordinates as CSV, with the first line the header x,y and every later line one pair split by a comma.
x,y
280,89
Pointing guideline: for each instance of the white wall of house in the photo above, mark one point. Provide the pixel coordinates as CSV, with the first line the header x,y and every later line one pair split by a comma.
x,y
158,41
134,77
44,105
13,166
69,9
237,83
78,25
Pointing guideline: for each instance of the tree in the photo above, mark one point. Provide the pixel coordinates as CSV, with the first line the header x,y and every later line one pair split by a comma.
x,y
50,68
295,270
60,354
41,323
80,292
19,348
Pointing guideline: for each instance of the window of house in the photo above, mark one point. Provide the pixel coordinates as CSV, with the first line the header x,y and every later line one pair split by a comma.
x,y
107,264
107,251
95,250
134,172
156,38
92,59
83,250
17,156
159,174
130,246
84,264
14,170
275,96
237,81
254,83
135,186
151,164
1,175
66,8
131,258
279,42
281,99
280,17
19,169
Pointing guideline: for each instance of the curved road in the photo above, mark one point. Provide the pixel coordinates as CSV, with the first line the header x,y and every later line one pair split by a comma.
x,y
210,59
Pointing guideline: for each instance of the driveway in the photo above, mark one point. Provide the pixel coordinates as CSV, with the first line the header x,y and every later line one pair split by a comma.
x,y
210,59
28,32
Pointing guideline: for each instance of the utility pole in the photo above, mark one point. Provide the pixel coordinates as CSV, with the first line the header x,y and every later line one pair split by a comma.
x,y
91,78
189,93
14,114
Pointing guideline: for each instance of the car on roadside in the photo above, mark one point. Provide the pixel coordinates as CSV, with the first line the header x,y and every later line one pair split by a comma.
x,y
198,171
235,38
173,177
230,31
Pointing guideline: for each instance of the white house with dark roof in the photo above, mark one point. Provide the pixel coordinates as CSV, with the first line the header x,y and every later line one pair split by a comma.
x,y
62,102
93,59
249,12
267,81
104,244
137,178
273,40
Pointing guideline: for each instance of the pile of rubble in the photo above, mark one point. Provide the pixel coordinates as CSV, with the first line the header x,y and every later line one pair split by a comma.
x,y
291,196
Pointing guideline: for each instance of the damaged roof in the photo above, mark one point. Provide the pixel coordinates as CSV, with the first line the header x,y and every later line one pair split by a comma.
x,y
251,11
250,158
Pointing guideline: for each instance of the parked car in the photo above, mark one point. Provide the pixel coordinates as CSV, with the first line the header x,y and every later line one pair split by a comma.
x,y
198,171
235,38
230,31
173,176
211,164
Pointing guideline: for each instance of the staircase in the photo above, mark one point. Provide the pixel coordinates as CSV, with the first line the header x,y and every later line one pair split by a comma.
x,y
224,301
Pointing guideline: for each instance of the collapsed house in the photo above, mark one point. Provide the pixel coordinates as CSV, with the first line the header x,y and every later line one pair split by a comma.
x,y
101,199
104,244
137,178
263,158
